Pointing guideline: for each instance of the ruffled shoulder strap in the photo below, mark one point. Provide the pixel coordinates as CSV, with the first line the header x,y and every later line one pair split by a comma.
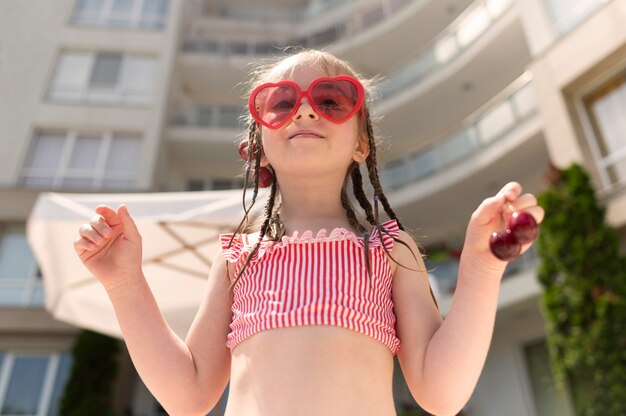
x,y
390,230
232,253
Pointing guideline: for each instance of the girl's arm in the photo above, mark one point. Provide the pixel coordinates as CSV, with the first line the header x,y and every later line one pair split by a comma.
x,y
187,378
442,360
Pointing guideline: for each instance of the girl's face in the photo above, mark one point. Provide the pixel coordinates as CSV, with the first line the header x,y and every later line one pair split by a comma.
x,y
309,143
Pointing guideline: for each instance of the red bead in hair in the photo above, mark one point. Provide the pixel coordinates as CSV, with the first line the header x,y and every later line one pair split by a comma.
x,y
243,149
265,177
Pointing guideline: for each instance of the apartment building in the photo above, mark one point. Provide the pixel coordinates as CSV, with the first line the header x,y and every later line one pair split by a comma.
x,y
142,96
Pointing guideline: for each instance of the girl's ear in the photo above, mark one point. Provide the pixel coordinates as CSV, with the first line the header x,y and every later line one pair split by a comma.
x,y
361,151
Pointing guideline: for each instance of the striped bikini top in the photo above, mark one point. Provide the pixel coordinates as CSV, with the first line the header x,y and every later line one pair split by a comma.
x,y
304,280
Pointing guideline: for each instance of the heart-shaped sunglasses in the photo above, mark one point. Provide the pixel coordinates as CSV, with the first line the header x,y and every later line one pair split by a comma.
x,y
334,98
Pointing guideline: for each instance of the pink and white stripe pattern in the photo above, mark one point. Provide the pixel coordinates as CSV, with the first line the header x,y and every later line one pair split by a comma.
x,y
321,280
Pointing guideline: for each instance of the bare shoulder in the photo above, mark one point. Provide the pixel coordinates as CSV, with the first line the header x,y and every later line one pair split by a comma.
x,y
407,254
410,276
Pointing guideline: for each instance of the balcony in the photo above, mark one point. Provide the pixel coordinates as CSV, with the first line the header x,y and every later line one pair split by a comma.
x,y
268,13
507,111
465,31
353,21
519,280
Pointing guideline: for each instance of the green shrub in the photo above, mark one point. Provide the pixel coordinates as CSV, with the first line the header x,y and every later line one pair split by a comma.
x,y
89,391
584,279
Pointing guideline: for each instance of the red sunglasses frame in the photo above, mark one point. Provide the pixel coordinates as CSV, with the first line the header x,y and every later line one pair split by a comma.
x,y
307,94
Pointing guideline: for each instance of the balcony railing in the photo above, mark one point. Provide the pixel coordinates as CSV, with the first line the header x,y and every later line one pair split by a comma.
x,y
445,272
360,20
448,45
276,14
506,111
109,19
213,116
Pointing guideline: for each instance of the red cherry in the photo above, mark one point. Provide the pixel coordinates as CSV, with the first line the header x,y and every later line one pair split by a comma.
x,y
523,227
265,177
243,150
504,245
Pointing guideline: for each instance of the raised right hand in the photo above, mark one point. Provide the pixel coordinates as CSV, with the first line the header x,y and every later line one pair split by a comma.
x,y
110,246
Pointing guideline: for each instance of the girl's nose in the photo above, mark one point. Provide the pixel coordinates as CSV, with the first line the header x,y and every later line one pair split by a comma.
x,y
306,111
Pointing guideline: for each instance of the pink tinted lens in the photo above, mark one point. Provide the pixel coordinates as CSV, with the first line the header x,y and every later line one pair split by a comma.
x,y
335,99
275,104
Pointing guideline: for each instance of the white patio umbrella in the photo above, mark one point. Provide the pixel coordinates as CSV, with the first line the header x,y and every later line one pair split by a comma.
x,y
179,232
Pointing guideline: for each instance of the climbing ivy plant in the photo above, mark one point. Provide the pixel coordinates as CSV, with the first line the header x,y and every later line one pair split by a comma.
x,y
584,298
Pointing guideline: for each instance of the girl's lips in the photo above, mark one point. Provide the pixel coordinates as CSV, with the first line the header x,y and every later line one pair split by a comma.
x,y
302,134
306,135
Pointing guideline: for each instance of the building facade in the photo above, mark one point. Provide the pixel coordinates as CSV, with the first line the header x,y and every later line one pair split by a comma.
x,y
143,95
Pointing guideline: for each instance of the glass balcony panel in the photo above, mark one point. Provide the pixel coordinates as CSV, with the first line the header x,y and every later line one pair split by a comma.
x,y
153,13
445,273
265,48
524,101
423,164
118,184
38,295
238,48
325,37
45,151
61,379
446,49
25,385
472,26
395,174
12,295
78,183
85,152
72,72
124,155
457,146
229,117
209,46
203,116
40,182
497,7
495,123
567,14
617,172
102,96
608,107
17,262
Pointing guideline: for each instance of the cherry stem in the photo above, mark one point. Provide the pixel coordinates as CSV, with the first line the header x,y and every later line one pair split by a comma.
x,y
511,207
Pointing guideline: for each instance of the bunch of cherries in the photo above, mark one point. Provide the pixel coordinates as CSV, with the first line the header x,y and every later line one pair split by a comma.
x,y
521,229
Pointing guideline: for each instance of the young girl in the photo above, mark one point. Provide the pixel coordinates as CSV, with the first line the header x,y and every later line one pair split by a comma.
x,y
318,300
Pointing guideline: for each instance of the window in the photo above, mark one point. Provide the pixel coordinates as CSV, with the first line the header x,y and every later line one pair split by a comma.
x,y
549,399
143,14
605,108
32,383
103,77
82,161
20,279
